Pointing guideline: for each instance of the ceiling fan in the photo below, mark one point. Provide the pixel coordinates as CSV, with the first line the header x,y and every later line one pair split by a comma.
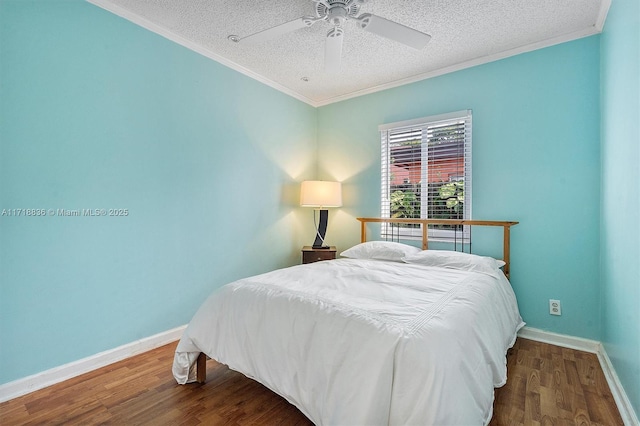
x,y
337,12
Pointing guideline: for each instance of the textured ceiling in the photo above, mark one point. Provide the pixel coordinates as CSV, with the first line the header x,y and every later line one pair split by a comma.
x,y
464,33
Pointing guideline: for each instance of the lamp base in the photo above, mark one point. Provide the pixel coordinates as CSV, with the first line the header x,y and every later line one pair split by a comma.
x,y
321,230
320,247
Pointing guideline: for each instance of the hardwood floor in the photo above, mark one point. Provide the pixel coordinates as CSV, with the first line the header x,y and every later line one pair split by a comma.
x,y
550,385
547,385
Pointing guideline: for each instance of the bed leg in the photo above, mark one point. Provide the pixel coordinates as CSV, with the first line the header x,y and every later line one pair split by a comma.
x,y
201,368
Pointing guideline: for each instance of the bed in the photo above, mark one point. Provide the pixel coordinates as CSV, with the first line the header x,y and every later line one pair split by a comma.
x,y
388,334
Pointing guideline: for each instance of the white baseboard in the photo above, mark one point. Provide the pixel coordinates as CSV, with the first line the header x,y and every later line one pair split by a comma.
x,y
67,371
619,395
563,340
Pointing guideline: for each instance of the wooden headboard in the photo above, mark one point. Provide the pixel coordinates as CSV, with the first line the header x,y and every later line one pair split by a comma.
x,y
506,255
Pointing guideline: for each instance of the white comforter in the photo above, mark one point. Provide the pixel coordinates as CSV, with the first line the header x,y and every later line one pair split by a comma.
x,y
364,342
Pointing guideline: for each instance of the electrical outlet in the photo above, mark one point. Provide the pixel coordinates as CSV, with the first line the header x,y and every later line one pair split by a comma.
x,y
554,307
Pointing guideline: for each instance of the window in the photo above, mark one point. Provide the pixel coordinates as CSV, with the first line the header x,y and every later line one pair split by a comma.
x,y
426,171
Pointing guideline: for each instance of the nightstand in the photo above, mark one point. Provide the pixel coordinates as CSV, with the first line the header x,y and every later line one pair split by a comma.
x,y
310,255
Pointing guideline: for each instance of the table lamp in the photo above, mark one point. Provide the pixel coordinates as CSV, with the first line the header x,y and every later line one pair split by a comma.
x,y
319,195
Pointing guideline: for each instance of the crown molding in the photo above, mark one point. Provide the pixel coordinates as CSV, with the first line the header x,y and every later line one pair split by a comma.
x,y
602,15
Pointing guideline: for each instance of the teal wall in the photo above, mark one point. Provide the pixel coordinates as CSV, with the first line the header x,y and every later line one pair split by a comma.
x,y
536,160
97,112
620,226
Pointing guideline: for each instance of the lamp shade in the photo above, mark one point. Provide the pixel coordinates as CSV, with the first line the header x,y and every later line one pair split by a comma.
x,y
318,193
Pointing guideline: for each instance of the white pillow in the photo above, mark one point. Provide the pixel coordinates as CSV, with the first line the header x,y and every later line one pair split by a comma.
x,y
381,250
455,260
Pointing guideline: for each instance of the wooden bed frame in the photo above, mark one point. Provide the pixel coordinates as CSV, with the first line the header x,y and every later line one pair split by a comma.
x,y
506,226
201,363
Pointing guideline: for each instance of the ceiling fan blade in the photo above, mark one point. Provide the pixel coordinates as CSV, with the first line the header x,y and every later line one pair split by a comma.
x,y
333,50
278,30
393,31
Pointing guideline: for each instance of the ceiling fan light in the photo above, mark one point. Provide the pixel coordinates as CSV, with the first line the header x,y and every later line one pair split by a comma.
x,y
337,15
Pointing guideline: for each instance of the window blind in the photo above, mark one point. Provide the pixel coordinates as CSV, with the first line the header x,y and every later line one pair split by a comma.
x,y
426,169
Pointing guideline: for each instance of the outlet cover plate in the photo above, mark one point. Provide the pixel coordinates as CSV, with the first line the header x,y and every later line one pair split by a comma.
x,y
554,307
